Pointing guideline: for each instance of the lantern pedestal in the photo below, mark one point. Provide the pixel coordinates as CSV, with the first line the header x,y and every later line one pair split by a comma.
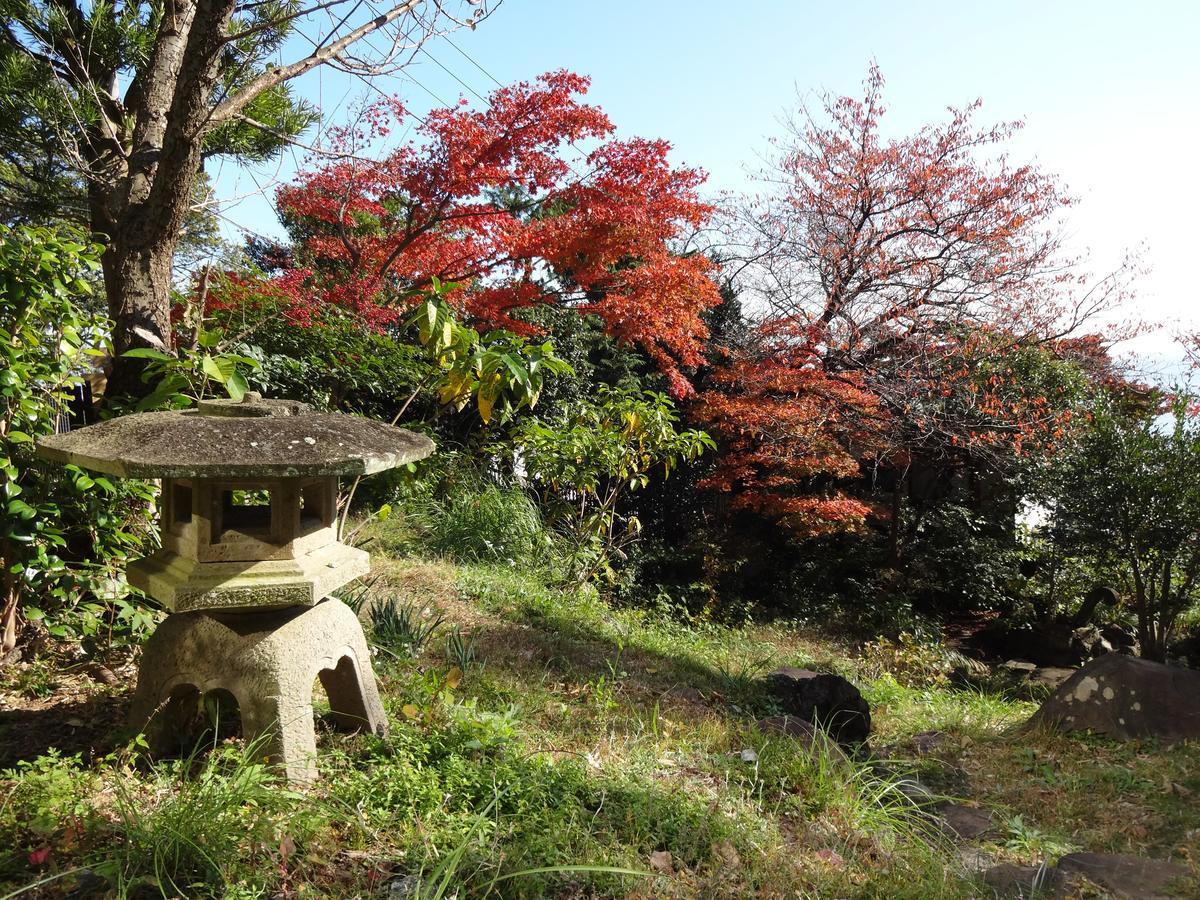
x,y
268,662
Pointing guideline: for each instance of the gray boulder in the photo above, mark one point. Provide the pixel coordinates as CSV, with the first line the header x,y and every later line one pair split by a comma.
x,y
1127,698
825,700
1131,877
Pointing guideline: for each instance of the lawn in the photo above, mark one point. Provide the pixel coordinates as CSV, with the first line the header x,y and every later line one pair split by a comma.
x,y
545,743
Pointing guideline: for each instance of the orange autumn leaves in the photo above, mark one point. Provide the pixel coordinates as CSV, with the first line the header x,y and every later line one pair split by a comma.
x,y
915,303
485,199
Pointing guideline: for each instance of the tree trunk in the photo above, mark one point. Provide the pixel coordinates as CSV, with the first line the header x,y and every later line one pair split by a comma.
x,y
137,281
139,205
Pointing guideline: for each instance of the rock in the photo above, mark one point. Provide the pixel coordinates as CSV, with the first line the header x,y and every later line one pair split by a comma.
x,y
103,675
1120,637
1088,642
404,888
1051,676
974,860
1128,876
1008,880
1126,698
1100,596
965,823
1021,667
789,725
916,791
749,755
829,701
662,862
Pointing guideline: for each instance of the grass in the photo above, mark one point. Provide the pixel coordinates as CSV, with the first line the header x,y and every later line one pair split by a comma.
x,y
548,744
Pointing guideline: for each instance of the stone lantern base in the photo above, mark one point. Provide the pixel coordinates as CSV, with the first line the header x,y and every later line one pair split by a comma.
x,y
268,662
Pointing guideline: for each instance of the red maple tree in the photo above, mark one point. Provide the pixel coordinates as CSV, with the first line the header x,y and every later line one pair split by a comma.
x,y
485,198
914,292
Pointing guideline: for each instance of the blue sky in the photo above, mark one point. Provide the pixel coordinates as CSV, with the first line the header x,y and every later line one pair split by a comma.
x,y
1110,93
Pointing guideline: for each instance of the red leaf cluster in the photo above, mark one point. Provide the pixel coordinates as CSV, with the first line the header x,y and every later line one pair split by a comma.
x,y
485,198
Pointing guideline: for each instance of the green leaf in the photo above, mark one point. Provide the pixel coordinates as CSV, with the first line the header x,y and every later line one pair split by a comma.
x,y
237,386
212,369
148,353
21,508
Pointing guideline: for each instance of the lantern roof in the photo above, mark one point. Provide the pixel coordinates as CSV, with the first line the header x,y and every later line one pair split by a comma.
x,y
247,439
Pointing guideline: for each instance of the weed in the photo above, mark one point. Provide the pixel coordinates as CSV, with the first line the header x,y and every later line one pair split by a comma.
x,y
184,840
460,648
403,628
490,523
1029,842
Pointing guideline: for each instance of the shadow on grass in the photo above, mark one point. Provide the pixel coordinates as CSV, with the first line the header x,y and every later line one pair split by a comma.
x,y
584,652
88,727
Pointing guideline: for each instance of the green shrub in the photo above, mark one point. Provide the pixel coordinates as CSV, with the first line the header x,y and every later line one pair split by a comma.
x,y
402,628
491,524
63,532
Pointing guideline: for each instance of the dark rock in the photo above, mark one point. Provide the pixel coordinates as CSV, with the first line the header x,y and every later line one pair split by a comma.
x,y
966,823
1022,667
974,860
789,725
1127,698
405,888
1120,637
103,675
1048,645
829,701
916,791
1130,877
1057,644
1099,596
1008,880
1088,642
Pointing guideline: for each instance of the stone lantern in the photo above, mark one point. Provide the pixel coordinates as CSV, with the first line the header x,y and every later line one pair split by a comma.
x,y
249,556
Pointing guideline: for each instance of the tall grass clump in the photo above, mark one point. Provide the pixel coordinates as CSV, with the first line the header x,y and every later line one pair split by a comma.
x,y
488,524
188,836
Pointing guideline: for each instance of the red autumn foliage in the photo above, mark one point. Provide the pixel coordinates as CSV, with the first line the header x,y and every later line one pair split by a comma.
x,y
485,198
906,283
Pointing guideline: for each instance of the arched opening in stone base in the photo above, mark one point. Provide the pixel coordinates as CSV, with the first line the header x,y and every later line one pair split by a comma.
x,y
188,722
341,688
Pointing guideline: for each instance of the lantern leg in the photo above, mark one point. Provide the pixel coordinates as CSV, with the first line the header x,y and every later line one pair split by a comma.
x,y
268,661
